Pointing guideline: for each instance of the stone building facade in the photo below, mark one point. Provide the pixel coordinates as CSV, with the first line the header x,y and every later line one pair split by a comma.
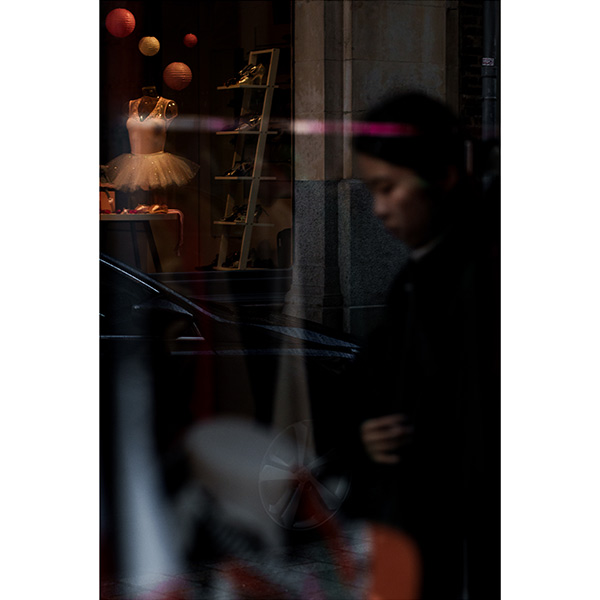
x,y
349,54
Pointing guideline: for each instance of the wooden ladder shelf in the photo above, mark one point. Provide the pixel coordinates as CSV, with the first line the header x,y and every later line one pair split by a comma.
x,y
255,177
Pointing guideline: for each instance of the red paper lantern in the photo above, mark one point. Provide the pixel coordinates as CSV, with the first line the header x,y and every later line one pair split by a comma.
x,y
190,40
120,22
177,75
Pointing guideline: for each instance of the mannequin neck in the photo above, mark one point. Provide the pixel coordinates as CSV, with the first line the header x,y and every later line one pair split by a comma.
x,y
150,91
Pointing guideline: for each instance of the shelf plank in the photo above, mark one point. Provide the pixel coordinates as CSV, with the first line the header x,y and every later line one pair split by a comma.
x,y
243,223
244,178
250,132
138,216
249,86
215,268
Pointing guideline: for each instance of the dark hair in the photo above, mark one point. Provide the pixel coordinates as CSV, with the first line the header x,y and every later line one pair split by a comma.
x,y
426,138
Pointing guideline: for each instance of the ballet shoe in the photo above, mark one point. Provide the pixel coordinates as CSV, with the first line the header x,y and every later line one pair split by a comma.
x,y
158,209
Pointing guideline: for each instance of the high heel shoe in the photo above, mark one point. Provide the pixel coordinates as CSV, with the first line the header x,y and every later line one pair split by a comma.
x,y
246,124
249,75
232,261
259,211
235,80
237,214
257,72
242,169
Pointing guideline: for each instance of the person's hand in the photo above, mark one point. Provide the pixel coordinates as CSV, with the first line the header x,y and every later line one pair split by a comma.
x,y
383,436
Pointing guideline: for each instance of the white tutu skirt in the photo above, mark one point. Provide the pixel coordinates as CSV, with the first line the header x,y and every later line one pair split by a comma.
x,y
129,172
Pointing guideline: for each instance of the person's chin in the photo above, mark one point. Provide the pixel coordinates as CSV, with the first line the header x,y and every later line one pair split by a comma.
x,y
411,243
400,235
393,231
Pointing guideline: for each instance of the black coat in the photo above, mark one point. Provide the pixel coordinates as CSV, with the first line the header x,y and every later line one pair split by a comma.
x,y
435,358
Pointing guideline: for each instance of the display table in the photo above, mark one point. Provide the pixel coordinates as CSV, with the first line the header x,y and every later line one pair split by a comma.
x,y
145,219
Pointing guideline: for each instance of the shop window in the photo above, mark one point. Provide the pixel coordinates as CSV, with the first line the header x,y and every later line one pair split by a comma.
x,y
180,203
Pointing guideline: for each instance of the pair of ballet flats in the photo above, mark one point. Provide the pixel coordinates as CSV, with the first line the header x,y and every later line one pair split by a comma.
x,y
144,209
151,209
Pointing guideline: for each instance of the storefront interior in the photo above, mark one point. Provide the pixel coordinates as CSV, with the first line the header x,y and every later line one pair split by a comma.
x,y
211,42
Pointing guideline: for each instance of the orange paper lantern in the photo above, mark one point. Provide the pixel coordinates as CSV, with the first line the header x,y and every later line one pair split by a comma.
x,y
177,75
120,22
190,40
149,46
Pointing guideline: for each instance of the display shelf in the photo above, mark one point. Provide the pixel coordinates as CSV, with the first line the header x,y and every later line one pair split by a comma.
x,y
262,132
250,132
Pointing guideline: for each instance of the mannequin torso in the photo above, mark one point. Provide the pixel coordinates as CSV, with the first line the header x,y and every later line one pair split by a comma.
x,y
149,117
148,166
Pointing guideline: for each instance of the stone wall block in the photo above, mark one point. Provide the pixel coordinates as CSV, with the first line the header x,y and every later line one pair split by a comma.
x,y
404,42
309,81
373,84
369,257
309,150
309,40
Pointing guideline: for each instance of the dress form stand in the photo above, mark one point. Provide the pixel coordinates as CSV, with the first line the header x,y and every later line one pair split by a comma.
x,y
148,168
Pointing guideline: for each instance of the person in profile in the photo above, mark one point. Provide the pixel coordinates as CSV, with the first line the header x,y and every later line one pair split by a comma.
x,y
422,436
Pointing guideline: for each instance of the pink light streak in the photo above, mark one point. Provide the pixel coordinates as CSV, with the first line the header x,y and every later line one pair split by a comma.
x,y
301,126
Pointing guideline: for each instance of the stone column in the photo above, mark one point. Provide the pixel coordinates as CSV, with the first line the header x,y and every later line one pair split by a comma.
x,y
348,55
315,292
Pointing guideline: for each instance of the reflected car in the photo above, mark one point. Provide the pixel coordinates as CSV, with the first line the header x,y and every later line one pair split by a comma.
x,y
168,362
204,356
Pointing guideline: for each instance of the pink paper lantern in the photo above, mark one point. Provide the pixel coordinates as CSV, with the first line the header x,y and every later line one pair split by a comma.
x,y
120,22
190,40
177,75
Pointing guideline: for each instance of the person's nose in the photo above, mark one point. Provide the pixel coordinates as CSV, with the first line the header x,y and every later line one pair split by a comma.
x,y
380,206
